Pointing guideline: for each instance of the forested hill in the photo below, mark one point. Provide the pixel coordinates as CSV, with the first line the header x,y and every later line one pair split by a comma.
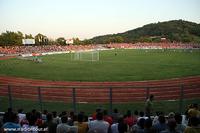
x,y
173,31
170,31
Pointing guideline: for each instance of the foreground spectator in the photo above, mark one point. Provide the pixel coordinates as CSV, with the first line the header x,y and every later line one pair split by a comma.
x,y
12,123
148,126
180,127
8,115
39,122
194,111
139,127
56,119
72,118
50,124
171,127
171,115
44,115
98,125
107,117
64,127
21,115
119,127
161,125
136,114
141,115
82,126
32,118
115,115
155,119
129,119
95,113
194,125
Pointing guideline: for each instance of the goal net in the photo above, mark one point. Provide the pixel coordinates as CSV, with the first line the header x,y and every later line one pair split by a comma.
x,y
86,55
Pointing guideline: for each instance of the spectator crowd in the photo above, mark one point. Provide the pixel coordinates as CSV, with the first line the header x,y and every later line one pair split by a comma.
x,y
101,122
153,46
19,50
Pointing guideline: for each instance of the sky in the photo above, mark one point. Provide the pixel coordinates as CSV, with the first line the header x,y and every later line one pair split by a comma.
x,y
89,18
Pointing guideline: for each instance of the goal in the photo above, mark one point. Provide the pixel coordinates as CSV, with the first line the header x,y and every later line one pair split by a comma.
x,y
86,55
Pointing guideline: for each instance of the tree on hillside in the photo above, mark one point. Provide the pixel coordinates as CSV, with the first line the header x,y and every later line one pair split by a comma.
x,y
175,30
28,36
61,41
86,41
9,38
195,30
118,39
77,41
51,41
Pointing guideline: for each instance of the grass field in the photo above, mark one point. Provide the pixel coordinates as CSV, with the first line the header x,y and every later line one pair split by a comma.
x,y
27,105
127,65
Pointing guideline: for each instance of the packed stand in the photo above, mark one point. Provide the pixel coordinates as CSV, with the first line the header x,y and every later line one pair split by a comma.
x,y
101,122
153,46
9,50
19,50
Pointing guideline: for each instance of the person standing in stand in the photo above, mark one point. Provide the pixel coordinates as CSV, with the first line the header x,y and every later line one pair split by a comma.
x,y
149,106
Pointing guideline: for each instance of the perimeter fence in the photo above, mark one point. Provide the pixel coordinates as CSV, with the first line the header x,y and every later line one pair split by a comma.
x,y
87,98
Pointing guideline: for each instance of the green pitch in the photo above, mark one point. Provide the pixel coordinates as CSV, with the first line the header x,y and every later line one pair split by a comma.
x,y
114,65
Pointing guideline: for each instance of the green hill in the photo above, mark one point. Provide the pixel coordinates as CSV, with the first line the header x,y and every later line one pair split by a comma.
x,y
174,31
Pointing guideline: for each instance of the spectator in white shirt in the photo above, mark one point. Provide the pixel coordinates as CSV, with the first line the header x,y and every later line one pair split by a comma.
x,y
65,128
99,125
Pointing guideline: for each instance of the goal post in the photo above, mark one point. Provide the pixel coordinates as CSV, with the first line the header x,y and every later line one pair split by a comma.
x,y
86,55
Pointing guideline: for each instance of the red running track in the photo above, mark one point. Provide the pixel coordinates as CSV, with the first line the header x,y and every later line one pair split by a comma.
x,y
98,92
6,57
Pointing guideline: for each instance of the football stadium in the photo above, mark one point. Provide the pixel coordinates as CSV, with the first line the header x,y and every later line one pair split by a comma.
x,y
99,67
100,75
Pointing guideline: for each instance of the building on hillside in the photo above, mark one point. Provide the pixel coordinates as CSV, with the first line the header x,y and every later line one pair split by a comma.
x,y
28,41
69,41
